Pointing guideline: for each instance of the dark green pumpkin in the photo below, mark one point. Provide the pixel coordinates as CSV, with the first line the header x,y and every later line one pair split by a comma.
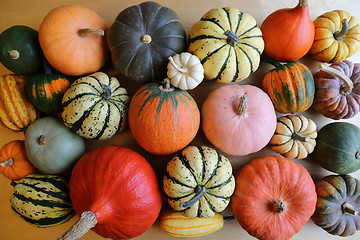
x,y
20,50
338,147
142,38
338,205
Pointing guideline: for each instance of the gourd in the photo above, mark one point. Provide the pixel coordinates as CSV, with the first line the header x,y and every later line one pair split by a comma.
x,y
163,119
338,205
238,119
72,40
185,71
294,136
52,147
338,147
274,198
16,110
288,33
142,38
337,37
290,86
14,164
199,182
228,44
116,192
20,50
337,90
42,200
95,106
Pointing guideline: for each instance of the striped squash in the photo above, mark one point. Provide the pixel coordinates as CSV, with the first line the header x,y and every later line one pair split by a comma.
x,y
290,86
42,200
199,182
95,106
228,43
16,110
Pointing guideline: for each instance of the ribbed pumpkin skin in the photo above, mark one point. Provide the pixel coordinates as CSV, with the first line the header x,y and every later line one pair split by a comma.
x,y
42,200
163,121
223,60
338,196
291,87
16,110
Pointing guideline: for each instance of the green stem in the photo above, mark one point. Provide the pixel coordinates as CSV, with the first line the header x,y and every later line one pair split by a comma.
x,y
271,61
228,218
298,137
341,34
200,190
166,87
106,95
232,38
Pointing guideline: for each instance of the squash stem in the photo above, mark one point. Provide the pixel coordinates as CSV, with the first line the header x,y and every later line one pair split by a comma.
x,y
298,137
357,155
347,208
42,140
166,87
106,95
8,162
303,3
86,31
83,225
271,61
14,54
181,69
228,218
243,105
146,39
278,206
348,84
200,190
232,38
338,35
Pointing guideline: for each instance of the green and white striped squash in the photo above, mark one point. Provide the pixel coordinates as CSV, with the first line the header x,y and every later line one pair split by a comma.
x,y
228,43
96,106
42,200
199,182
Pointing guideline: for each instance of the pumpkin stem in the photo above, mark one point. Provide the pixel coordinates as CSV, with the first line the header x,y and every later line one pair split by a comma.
x,y
357,155
106,95
146,39
243,105
347,208
166,87
278,206
303,3
338,35
232,38
228,218
8,162
42,140
86,31
83,225
271,61
14,54
181,69
200,190
298,137
348,86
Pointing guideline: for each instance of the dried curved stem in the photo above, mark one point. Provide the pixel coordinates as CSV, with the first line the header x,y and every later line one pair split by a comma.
x,y
348,84
181,69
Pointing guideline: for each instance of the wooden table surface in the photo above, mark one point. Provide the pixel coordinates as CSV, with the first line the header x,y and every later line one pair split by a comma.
x,y
31,13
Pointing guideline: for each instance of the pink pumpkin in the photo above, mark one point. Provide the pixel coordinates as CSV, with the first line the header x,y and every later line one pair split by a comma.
x,y
238,119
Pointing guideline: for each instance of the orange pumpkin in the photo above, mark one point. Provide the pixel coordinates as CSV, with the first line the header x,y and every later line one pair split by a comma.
x,y
14,163
73,40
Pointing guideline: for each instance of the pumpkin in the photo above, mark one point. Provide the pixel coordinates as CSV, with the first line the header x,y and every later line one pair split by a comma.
x,y
288,33
290,86
294,136
95,106
72,39
163,119
199,182
338,205
185,71
20,50
42,200
337,37
238,119
337,90
142,38
52,147
274,198
14,164
16,110
338,147
228,44
117,190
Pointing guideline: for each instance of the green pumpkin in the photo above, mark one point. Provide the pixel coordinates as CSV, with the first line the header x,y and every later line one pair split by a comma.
x,y
20,50
338,147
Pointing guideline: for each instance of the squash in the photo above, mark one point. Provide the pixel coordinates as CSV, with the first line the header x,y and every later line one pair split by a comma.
x,y
290,86
96,106
20,50
16,110
73,40
117,190
337,90
42,200
163,119
142,38
14,164
288,33
274,198
294,136
337,37
199,182
338,147
238,119
228,44
338,205
185,71
52,147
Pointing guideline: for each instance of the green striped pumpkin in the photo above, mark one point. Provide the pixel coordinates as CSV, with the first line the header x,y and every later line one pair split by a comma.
x,y
96,106
42,200
199,182
228,43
